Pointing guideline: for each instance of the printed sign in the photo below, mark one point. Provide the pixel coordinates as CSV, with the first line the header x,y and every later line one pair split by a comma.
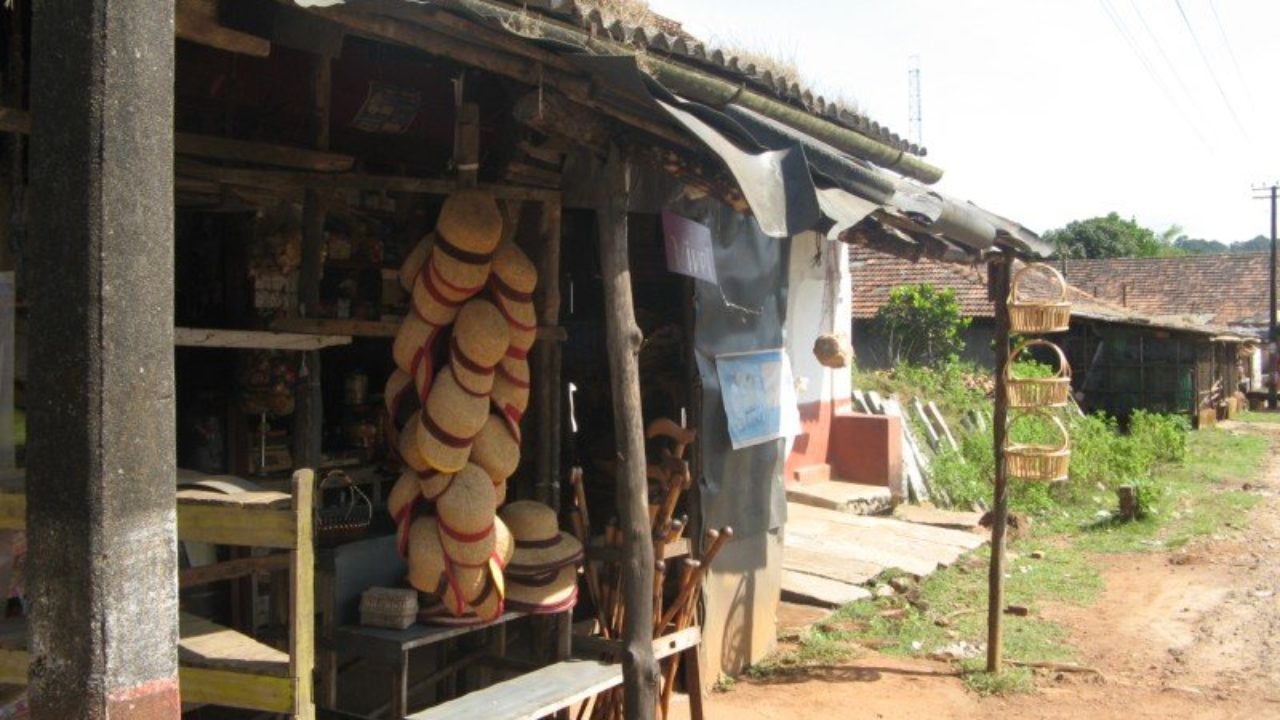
x,y
759,396
387,109
688,247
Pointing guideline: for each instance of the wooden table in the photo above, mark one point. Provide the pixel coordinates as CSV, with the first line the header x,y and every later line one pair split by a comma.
x,y
391,648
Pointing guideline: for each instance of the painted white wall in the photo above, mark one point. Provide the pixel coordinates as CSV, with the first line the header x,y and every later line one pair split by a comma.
x,y
818,301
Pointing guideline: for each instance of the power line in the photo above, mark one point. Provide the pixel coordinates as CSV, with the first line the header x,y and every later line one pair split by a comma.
x,y
1151,73
1230,51
1212,75
1173,70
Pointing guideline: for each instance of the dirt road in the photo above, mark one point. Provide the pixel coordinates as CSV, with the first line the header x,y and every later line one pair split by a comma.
x,y
1190,634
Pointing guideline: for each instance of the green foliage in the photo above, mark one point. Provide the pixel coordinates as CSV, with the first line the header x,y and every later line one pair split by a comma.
x,y
922,325
956,386
1108,236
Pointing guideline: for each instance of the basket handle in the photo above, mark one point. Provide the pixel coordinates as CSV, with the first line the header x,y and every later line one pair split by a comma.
x,y
1064,367
1043,269
1062,429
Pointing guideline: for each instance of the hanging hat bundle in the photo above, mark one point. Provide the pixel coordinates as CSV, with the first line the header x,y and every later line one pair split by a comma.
x,y
542,575
459,438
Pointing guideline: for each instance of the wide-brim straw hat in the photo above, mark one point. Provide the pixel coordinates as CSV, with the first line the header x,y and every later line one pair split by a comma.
x,y
398,394
511,388
451,417
465,508
551,592
496,449
474,550
500,494
488,607
412,347
514,274
402,499
479,342
427,561
409,444
432,301
433,484
454,280
415,261
540,545
467,232
522,324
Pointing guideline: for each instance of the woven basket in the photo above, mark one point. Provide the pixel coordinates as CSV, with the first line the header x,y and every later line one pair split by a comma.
x,y
349,517
394,608
1038,463
1036,317
1039,392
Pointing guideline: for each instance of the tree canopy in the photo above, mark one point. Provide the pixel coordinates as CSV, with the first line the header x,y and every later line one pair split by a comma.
x,y
922,325
1108,236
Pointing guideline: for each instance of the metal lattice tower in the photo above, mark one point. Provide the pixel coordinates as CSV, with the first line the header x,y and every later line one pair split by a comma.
x,y
914,122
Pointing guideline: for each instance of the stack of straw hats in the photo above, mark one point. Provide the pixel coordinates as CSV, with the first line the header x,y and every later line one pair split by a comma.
x,y
456,398
542,575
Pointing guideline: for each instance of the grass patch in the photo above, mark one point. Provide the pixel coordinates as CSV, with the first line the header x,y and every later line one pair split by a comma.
x,y
1258,416
1011,681
1197,498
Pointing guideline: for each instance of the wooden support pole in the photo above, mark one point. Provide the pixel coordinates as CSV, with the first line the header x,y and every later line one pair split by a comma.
x,y
999,285
640,670
546,358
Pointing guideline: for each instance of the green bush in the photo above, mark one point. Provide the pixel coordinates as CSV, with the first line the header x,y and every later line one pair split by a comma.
x,y
922,325
1102,459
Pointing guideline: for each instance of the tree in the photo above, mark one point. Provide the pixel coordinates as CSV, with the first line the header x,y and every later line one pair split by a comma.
x,y
1108,237
922,325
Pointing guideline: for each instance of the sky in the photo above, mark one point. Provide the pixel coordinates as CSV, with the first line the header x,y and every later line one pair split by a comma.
x,y
1047,111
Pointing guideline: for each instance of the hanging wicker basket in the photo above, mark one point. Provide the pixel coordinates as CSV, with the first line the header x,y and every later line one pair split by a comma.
x,y
1035,462
1036,317
1039,392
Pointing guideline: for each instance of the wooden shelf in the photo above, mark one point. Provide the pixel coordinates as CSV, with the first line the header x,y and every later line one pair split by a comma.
x,y
338,326
256,339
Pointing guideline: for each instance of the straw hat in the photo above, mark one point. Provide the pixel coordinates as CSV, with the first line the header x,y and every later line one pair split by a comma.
x,y
433,484
511,388
512,282
412,349
396,392
487,608
401,500
499,494
409,446
467,232
466,506
432,300
496,449
426,556
468,550
540,545
554,591
415,261
479,342
450,419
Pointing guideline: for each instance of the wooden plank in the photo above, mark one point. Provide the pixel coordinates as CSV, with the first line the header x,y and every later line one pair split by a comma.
x,y
912,461
14,666
875,403
598,648
860,402
197,21
206,644
549,689
597,551
930,433
823,592
883,544
296,179
231,569
386,328
254,339
250,527
941,422
852,571
801,516
260,153
863,547
204,686
302,615
13,511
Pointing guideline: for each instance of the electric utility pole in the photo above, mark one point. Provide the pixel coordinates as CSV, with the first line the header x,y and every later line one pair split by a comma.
x,y
1271,316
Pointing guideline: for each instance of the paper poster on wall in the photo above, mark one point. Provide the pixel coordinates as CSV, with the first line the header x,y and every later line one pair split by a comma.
x,y
759,396
688,246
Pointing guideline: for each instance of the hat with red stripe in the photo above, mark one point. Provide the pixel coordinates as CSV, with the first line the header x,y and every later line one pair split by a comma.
x,y
451,418
479,341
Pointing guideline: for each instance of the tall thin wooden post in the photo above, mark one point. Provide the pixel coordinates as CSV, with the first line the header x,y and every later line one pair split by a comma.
x,y
639,669
998,282
546,359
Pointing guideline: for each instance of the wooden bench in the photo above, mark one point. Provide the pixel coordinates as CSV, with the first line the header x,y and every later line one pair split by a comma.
x,y
560,686
217,665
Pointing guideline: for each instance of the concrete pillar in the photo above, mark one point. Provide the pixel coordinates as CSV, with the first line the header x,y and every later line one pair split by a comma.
x,y
101,572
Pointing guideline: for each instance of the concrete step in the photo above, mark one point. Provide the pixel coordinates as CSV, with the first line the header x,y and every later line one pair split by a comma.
x,y
842,496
